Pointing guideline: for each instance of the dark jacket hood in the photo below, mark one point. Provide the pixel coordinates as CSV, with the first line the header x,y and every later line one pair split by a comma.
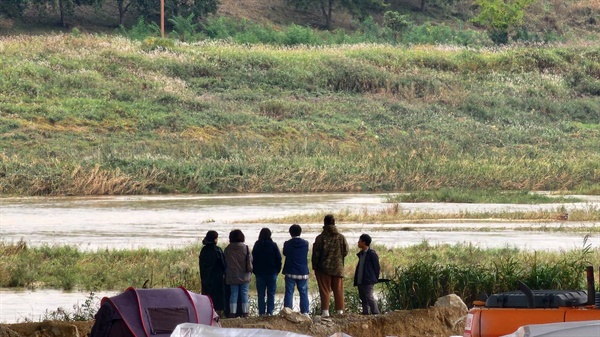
x,y
330,230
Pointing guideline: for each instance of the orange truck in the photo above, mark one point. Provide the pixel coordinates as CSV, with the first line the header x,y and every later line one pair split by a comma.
x,y
502,314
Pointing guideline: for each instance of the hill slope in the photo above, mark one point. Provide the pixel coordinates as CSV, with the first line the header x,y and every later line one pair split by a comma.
x,y
104,115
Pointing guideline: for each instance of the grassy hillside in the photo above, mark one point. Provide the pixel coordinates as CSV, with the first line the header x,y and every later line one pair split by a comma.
x,y
87,114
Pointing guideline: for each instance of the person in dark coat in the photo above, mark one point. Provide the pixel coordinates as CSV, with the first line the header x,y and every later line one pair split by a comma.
x,y
366,275
266,263
212,271
295,269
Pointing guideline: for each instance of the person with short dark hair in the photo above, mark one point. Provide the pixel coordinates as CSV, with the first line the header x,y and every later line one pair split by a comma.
x,y
266,262
238,271
366,275
295,269
212,271
329,250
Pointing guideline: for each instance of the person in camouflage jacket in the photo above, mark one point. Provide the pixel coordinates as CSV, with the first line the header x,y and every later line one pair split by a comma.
x,y
328,253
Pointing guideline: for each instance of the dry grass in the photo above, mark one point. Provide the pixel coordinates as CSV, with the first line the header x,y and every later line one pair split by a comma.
x,y
396,214
93,181
591,4
101,182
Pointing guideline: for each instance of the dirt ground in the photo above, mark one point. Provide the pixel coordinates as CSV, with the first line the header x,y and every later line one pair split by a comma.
x,y
432,322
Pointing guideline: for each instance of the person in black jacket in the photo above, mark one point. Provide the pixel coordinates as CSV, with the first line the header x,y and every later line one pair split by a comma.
x,y
295,269
366,275
212,271
266,263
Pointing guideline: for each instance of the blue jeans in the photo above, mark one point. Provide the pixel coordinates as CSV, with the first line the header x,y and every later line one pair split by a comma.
x,y
288,299
241,290
266,283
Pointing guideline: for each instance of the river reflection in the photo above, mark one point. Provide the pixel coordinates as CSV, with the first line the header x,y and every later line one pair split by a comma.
x,y
160,222
35,305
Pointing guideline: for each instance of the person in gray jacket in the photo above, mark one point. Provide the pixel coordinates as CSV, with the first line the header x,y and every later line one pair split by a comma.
x,y
238,271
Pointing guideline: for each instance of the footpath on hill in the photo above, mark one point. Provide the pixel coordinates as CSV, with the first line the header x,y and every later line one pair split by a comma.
x,y
432,322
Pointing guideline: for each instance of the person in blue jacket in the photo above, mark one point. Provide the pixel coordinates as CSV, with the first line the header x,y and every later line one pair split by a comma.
x,y
266,263
295,269
366,275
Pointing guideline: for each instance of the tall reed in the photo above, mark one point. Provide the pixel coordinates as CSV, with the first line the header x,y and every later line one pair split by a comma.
x,y
420,284
419,273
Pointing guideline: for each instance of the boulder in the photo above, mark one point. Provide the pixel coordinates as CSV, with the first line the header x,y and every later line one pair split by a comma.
x,y
451,301
294,316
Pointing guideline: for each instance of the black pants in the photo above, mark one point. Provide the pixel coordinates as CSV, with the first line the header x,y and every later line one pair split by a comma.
x,y
365,293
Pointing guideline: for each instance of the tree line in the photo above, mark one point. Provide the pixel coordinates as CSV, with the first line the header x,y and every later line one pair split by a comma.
x,y
146,8
498,17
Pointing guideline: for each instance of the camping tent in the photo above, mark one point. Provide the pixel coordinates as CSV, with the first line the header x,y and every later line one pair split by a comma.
x,y
151,312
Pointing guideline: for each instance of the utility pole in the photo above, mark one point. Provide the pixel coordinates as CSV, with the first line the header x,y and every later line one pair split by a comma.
x,y
162,18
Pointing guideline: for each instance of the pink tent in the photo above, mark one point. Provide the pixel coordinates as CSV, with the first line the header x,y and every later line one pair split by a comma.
x,y
151,312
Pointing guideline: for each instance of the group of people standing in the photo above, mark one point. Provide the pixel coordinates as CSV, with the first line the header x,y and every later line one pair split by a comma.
x,y
225,275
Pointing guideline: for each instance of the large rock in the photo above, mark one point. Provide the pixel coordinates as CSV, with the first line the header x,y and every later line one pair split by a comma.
x,y
294,316
451,301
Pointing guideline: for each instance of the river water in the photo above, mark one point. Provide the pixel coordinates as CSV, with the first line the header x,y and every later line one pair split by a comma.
x,y
161,222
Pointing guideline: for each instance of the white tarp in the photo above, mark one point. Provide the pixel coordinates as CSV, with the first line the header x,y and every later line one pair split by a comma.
x,y
571,329
199,330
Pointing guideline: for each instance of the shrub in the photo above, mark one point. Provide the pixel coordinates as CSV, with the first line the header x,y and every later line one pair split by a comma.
x,y
500,17
295,35
396,22
81,312
184,28
141,30
442,34
220,27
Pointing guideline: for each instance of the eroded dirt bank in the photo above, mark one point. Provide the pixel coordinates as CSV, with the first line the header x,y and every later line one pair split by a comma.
x,y
432,322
